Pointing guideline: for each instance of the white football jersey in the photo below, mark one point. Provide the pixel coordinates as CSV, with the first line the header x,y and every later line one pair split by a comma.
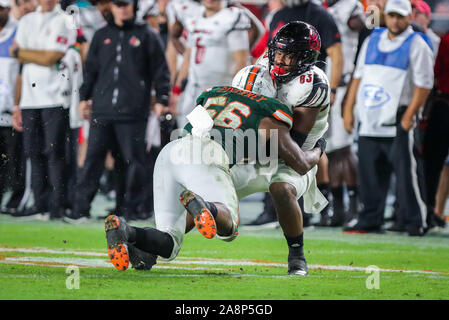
x,y
91,20
212,41
71,79
181,10
9,69
309,90
342,12
47,31
146,8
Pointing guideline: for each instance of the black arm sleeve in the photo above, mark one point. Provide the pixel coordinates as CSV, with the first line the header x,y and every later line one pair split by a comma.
x,y
364,33
298,137
91,69
328,31
158,68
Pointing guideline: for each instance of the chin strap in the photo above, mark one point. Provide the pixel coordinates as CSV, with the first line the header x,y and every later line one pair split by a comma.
x,y
277,71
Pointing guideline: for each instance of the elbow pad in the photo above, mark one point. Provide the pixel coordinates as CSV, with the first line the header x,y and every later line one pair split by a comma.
x,y
298,137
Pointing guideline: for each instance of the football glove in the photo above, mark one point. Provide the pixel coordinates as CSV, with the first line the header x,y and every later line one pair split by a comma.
x,y
321,143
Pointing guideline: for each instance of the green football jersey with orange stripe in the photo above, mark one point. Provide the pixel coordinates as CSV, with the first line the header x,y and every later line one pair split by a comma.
x,y
237,115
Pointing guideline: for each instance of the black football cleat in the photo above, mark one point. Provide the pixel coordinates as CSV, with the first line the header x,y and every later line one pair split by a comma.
x,y
140,260
32,213
267,219
358,228
297,264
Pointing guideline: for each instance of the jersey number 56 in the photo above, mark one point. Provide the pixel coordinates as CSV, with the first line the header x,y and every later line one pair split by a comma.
x,y
227,117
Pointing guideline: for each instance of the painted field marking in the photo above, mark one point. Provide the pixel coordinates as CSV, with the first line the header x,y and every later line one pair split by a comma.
x,y
186,263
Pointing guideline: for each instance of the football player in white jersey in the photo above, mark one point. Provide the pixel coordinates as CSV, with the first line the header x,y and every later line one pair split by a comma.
x,y
177,12
195,170
305,88
349,17
148,11
217,47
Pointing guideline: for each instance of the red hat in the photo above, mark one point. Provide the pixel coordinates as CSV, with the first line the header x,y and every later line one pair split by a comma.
x,y
422,7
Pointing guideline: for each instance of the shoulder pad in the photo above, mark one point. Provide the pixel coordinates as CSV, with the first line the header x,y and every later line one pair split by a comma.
x,y
263,60
256,79
182,9
235,19
310,89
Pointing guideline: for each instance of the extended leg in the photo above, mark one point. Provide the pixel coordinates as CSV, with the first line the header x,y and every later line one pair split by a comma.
x,y
290,219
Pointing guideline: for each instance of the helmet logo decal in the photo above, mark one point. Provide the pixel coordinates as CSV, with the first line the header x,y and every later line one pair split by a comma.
x,y
314,44
280,45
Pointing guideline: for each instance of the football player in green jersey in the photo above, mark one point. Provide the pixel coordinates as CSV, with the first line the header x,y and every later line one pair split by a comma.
x,y
192,173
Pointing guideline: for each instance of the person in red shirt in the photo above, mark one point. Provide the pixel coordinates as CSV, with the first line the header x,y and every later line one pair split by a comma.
x,y
436,137
442,73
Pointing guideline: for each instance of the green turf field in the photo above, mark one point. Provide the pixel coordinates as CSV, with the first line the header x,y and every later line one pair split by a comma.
x,y
34,257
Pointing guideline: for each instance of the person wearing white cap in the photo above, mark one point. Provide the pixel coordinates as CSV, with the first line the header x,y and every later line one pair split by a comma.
x,y
392,79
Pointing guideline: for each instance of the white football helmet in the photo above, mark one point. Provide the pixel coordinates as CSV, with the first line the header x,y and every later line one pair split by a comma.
x,y
256,79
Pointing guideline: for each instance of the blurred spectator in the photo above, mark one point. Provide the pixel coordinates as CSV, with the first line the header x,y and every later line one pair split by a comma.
x,y
366,31
41,41
19,166
261,45
24,7
9,69
71,78
442,194
178,13
436,136
217,48
387,115
350,19
93,17
148,11
125,60
163,21
421,14
256,29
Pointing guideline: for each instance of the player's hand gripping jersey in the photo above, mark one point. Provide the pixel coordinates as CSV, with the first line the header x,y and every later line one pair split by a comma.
x,y
237,115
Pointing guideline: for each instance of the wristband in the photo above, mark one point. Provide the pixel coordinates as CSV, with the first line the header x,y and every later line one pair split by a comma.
x,y
334,91
15,53
176,90
15,108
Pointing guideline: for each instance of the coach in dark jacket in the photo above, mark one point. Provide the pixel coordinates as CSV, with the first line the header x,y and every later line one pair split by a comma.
x,y
124,62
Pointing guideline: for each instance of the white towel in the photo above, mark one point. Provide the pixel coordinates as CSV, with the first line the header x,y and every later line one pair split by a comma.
x,y
201,122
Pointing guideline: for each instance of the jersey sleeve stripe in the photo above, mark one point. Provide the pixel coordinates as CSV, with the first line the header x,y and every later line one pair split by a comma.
x,y
284,117
251,77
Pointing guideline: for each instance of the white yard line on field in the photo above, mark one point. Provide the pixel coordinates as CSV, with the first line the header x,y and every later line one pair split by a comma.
x,y
52,251
186,263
